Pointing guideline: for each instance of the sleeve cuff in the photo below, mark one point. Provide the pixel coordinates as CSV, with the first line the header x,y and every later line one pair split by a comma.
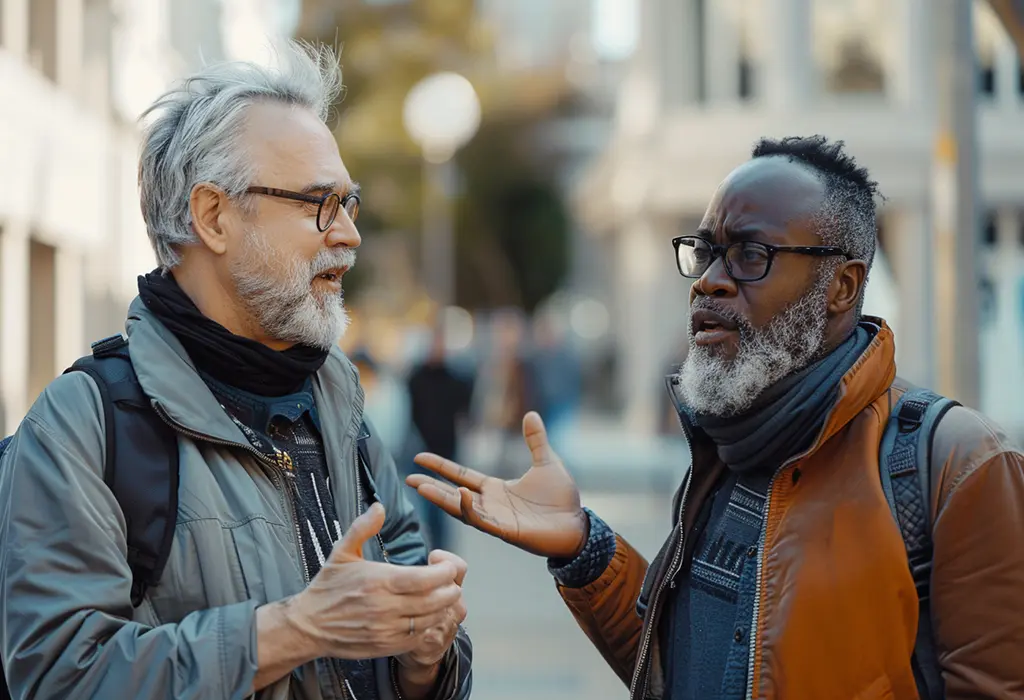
x,y
237,623
590,563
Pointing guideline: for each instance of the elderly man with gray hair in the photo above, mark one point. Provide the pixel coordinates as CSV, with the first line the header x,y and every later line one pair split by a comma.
x,y
294,568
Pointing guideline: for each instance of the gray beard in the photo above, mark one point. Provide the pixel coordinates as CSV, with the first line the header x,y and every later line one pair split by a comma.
x,y
790,341
285,306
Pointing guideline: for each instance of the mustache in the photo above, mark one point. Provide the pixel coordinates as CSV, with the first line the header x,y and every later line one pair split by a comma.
x,y
709,304
332,258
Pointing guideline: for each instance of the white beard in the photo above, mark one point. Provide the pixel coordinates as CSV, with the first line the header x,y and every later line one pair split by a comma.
x,y
790,341
285,306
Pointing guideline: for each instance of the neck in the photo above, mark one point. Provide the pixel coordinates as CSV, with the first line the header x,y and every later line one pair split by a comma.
x,y
203,283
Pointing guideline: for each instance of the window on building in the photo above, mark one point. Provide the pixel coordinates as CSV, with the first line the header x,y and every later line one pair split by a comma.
x,y
848,38
42,335
96,41
989,38
748,37
42,36
746,83
989,229
986,78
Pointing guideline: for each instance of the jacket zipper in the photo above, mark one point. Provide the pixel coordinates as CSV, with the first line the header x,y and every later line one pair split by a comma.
x,y
271,470
670,574
752,635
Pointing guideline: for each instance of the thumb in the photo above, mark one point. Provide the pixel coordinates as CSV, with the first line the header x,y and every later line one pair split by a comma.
x,y
536,437
359,532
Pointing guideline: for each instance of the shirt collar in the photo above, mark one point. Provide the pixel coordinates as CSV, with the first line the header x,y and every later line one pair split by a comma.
x,y
258,412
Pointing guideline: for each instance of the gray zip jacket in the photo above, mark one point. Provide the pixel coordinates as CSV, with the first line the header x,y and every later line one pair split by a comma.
x,y
67,626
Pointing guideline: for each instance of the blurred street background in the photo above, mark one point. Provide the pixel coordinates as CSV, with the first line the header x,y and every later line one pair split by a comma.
x,y
524,165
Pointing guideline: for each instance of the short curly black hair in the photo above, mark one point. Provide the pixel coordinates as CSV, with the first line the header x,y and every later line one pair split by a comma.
x,y
848,217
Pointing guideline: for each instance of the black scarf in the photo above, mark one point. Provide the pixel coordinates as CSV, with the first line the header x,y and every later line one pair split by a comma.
x,y
232,359
789,415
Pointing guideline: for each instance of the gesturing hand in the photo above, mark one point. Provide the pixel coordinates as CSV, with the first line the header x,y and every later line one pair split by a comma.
x,y
358,609
419,666
539,512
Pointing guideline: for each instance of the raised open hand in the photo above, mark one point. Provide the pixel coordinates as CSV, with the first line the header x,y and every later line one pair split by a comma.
x,y
539,512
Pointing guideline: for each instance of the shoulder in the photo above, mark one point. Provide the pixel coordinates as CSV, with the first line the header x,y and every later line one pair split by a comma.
x,y
65,424
69,404
965,442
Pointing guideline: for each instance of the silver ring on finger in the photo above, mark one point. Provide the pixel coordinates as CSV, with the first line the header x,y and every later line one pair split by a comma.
x,y
412,626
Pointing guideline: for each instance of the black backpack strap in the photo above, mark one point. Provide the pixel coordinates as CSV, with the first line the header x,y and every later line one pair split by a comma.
x,y
141,466
905,458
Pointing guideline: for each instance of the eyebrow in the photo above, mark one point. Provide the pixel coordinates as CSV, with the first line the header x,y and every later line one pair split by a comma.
x,y
352,188
744,234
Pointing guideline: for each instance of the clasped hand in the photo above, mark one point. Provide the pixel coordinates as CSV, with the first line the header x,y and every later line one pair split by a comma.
x,y
358,609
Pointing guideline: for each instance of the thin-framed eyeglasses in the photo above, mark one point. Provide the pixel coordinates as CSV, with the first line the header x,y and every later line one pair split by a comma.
x,y
745,261
327,204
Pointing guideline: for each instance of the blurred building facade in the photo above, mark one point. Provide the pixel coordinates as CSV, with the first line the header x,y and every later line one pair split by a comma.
x,y
709,77
76,74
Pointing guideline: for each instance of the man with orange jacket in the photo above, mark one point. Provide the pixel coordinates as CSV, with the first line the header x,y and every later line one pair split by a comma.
x,y
785,574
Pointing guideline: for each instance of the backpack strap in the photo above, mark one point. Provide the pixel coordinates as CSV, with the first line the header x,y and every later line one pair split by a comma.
x,y
904,463
141,465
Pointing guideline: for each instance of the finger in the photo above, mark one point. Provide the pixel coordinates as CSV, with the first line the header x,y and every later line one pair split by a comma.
x,y
359,532
420,580
423,624
453,471
461,567
442,495
440,599
437,600
536,437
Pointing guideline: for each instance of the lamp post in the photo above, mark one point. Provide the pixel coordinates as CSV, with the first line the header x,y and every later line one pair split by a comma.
x,y
441,114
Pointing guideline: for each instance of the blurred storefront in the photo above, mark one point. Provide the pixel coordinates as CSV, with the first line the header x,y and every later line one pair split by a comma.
x,y
709,77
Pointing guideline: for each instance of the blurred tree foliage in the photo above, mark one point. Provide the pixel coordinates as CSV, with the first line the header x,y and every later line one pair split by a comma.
x,y
512,228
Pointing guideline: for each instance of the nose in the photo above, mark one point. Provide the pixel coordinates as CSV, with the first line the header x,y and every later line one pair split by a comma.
x,y
343,231
714,282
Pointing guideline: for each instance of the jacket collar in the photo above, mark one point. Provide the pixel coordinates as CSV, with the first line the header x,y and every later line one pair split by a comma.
x,y
169,377
870,377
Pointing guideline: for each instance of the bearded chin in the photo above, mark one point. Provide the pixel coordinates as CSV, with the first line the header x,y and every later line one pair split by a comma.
x,y
716,386
285,306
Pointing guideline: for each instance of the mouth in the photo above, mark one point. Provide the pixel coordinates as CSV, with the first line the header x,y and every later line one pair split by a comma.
x,y
332,277
710,328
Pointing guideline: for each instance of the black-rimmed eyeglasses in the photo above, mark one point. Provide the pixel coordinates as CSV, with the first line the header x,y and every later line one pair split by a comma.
x,y
327,204
745,261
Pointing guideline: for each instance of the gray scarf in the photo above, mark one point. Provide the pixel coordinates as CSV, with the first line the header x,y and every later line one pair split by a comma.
x,y
789,415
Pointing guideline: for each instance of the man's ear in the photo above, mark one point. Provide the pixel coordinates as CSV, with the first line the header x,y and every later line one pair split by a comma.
x,y
847,287
208,206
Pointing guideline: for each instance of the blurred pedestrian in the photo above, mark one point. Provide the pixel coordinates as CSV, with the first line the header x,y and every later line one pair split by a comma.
x,y
387,404
503,389
840,534
555,377
439,399
280,574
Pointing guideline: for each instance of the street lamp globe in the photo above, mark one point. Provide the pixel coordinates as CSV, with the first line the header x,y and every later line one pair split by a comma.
x,y
441,114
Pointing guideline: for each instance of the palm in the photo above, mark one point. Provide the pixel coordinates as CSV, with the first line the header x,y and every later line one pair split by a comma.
x,y
539,512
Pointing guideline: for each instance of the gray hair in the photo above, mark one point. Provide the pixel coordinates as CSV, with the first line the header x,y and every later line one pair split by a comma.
x,y
848,216
194,135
